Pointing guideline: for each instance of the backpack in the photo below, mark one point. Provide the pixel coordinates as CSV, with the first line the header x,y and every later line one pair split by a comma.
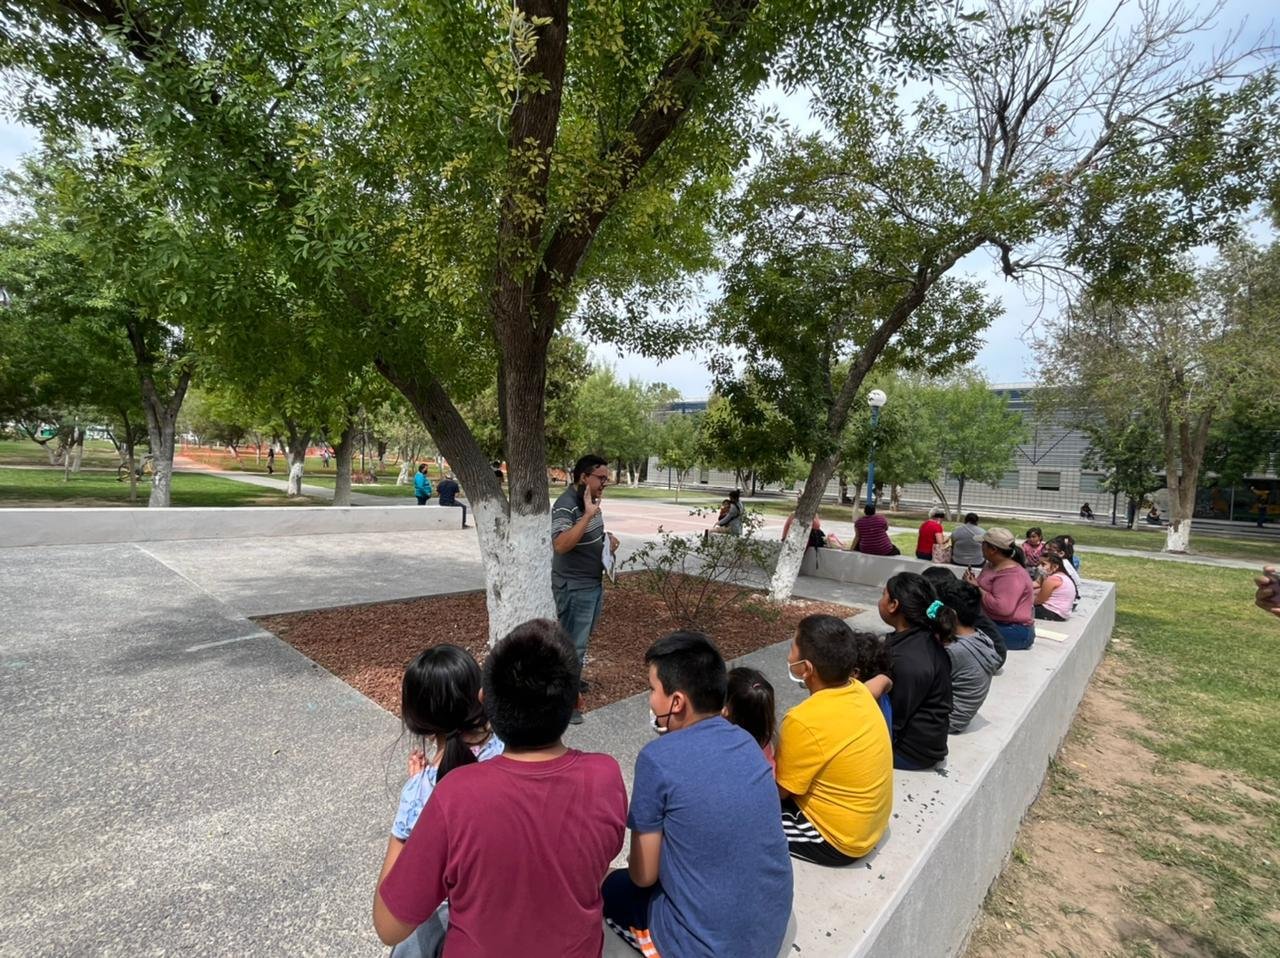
x,y
817,539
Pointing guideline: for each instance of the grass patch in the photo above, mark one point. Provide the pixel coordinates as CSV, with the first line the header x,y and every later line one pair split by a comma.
x,y
38,487
386,488
1202,662
24,452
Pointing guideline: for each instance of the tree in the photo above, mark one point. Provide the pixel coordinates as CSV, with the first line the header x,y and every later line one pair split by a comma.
x,y
676,443
978,435
614,420
556,173
1032,103
1186,355
744,434
1124,444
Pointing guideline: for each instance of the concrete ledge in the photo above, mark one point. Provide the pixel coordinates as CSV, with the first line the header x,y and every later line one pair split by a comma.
x,y
840,565
919,893
54,527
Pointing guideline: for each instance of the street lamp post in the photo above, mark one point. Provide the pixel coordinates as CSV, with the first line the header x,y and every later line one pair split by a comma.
x,y
875,400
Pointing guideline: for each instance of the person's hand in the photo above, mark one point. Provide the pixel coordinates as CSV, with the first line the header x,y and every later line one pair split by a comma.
x,y
417,762
590,506
969,576
1267,597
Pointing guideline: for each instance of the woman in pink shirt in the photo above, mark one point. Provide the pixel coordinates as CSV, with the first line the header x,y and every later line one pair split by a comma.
x,y
1008,596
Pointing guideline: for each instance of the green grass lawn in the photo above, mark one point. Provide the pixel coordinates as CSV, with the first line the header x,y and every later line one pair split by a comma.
x,y
386,486
45,487
1199,664
24,452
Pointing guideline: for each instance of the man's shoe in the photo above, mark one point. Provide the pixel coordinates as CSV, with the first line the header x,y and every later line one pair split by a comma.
x,y
584,686
575,718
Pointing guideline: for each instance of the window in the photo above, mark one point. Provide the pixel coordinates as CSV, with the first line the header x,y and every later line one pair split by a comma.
x,y
1091,481
1049,481
1008,481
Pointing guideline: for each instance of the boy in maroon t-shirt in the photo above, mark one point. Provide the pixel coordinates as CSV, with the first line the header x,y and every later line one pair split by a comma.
x,y
520,844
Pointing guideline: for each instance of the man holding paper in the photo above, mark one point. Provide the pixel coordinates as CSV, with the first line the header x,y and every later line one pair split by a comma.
x,y
581,551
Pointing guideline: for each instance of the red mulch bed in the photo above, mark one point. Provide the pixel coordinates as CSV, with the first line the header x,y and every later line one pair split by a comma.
x,y
368,646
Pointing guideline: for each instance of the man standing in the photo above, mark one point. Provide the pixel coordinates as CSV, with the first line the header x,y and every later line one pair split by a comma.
x,y
578,541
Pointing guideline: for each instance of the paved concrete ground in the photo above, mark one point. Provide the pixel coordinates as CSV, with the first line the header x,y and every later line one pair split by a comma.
x,y
177,780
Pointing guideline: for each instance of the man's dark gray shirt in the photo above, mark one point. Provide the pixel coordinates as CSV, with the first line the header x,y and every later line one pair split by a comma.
x,y
582,566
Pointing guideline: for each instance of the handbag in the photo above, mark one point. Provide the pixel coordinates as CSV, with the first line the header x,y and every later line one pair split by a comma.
x,y
942,551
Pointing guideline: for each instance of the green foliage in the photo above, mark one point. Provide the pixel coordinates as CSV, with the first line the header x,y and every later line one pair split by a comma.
x,y
743,433
676,443
613,419
699,578
978,435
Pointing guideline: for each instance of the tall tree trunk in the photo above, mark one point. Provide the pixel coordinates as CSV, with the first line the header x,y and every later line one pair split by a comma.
x,y
842,482
297,440
797,540
959,497
942,496
514,533
403,477
162,415
343,452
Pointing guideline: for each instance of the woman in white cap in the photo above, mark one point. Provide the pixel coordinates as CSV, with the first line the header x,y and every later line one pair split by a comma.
x,y
1007,593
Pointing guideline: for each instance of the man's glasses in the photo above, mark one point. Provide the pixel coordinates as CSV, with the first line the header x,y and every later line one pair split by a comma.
x,y
604,480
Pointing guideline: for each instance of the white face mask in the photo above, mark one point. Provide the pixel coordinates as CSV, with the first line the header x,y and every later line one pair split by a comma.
x,y
660,729
792,676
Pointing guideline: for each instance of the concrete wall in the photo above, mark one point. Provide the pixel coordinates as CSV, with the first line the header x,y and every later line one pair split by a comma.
x,y
48,527
918,894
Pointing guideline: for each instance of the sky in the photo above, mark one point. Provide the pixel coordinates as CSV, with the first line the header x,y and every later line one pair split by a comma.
x,y
1006,355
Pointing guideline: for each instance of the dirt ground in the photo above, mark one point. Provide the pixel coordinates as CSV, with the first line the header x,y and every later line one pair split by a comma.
x,y
1125,854
368,646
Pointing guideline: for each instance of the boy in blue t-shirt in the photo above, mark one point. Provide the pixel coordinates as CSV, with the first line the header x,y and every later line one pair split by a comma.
x,y
708,873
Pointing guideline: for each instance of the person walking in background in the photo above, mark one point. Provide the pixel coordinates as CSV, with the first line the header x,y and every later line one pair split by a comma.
x,y
577,562
422,487
449,490
271,460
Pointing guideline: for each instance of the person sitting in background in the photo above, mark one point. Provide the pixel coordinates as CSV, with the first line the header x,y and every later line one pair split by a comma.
x,y
937,576
730,518
1057,592
1086,512
1153,516
966,539
931,533
973,653
871,535
448,493
1007,594
1065,546
1033,546
818,539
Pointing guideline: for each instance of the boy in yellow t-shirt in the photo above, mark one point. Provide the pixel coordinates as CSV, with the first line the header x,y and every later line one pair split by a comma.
x,y
835,759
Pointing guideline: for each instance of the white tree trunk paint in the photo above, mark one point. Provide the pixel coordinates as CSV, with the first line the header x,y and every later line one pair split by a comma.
x,y
1178,536
789,559
402,477
295,479
516,554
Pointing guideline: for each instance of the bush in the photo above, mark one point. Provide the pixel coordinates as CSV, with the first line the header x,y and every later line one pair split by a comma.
x,y
700,577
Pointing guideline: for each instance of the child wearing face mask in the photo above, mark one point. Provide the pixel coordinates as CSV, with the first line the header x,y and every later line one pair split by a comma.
x,y
705,833
835,759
